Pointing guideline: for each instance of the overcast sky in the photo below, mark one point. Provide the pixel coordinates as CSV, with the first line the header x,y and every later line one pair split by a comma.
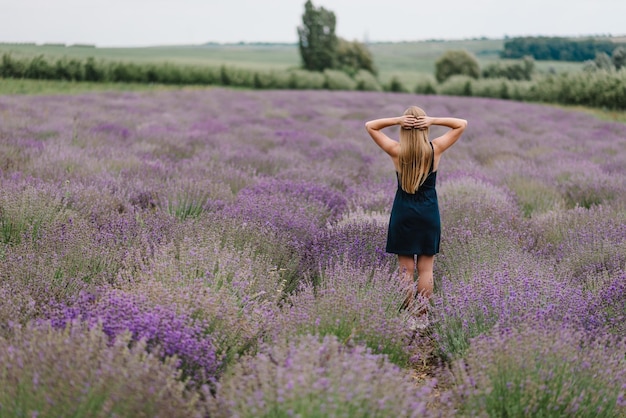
x,y
169,22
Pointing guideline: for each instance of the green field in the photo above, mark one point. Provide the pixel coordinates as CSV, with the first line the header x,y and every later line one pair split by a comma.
x,y
409,61
25,86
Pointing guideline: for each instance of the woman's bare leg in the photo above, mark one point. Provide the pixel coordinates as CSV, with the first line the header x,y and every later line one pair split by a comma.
x,y
407,270
425,265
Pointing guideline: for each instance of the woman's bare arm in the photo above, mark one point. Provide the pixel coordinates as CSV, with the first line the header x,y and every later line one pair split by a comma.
x,y
374,128
457,127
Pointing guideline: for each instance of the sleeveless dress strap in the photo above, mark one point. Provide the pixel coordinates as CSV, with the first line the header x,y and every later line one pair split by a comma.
x,y
432,160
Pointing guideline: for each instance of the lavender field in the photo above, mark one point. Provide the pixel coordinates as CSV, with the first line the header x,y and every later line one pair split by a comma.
x,y
221,253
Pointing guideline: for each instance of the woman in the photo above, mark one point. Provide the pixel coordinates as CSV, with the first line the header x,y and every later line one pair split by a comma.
x,y
414,225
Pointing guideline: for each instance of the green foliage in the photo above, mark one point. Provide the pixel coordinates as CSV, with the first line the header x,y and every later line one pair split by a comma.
x,y
313,377
39,69
366,81
600,89
338,80
556,49
320,49
597,89
534,196
426,85
619,57
456,62
603,61
457,85
307,80
316,38
354,56
519,70
271,80
395,85
23,213
78,372
541,373
188,203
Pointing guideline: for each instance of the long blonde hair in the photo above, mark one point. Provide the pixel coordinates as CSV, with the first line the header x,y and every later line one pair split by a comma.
x,y
416,154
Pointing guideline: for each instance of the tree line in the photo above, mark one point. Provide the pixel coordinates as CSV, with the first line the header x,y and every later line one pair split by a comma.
x,y
557,48
597,88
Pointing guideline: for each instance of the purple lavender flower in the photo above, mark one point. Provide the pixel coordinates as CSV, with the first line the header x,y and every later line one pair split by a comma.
x,y
166,332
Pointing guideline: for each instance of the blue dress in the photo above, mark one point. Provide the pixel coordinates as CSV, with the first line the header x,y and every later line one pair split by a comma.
x,y
415,224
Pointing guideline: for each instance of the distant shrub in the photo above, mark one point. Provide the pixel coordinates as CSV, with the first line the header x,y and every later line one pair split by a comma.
x,y
271,80
456,62
518,70
618,57
12,67
338,80
366,81
353,56
426,85
501,89
76,371
396,85
39,68
232,76
306,80
457,85
309,377
498,88
597,89
94,71
547,370
493,87
69,69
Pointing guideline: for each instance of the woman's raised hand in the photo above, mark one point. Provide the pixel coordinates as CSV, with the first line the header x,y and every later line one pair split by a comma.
x,y
415,122
408,121
423,122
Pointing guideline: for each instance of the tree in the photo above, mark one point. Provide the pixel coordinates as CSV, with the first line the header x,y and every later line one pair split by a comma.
x,y
519,70
619,57
354,56
317,39
603,61
456,62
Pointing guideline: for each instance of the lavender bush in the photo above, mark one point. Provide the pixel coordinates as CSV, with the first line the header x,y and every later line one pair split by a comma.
x,y
235,223
310,377
166,333
549,371
512,291
354,305
76,372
